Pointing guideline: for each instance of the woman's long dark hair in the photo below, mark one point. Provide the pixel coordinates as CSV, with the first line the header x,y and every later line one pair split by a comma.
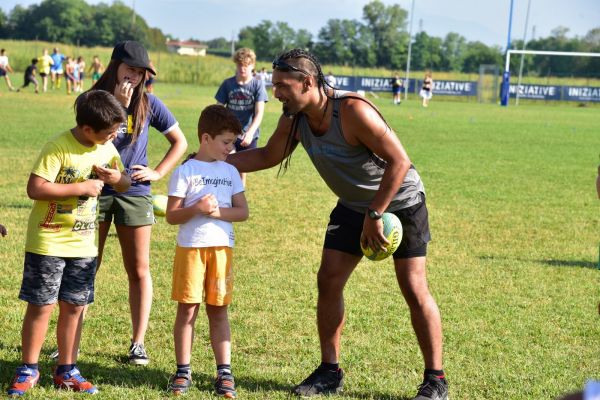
x,y
139,105
322,84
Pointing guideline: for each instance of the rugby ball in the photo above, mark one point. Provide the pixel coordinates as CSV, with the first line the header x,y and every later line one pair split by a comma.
x,y
159,205
392,230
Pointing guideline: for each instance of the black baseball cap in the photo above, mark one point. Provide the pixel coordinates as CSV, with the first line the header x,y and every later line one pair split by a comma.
x,y
133,54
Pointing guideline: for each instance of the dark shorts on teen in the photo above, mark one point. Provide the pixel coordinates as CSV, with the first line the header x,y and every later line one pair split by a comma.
x,y
345,228
126,210
47,279
238,147
29,79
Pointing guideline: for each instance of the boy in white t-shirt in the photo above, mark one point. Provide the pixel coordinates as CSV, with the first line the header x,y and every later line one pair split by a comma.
x,y
205,196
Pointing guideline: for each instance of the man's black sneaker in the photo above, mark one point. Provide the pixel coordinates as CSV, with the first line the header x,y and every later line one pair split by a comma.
x,y
433,388
321,381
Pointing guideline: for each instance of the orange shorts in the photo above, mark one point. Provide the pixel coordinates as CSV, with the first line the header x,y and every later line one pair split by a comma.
x,y
203,274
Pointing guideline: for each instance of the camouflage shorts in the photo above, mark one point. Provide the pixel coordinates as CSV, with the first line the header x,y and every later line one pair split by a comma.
x,y
47,279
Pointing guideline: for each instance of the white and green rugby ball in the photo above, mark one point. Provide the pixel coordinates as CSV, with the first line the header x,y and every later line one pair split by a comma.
x,y
392,230
159,205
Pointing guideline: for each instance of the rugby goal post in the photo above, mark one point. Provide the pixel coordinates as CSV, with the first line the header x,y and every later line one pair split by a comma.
x,y
506,77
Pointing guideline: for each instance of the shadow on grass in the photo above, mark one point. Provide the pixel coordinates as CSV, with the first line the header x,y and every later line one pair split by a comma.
x,y
246,383
118,373
18,205
373,395
114,375
128,376
565,263
550,262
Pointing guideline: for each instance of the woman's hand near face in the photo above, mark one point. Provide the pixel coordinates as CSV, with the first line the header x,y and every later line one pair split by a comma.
x,y
124,91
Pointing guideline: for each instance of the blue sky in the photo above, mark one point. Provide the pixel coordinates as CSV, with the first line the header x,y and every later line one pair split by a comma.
x,y
483,20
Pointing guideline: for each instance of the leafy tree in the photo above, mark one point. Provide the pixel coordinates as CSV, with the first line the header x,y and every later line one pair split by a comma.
x,y
281,37
345,42
3,24
388,26
478,53
453,51
257,38
529,67
558,65
218,43
426,52
268,39
60,20
246,37
593,38
303,39
335,38
75,21
20,24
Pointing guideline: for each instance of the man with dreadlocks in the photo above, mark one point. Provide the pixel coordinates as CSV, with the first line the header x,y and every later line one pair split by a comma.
x,y
362,161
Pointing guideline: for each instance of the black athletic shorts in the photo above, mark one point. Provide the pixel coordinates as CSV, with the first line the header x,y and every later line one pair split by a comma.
x,y
345,227
238,146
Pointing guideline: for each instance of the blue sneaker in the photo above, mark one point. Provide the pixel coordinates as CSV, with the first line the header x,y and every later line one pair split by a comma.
x,y
25,379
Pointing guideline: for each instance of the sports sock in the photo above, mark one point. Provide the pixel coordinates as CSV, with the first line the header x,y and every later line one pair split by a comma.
x,y
224,369
61,369
329,366
184,368
31,366
438,373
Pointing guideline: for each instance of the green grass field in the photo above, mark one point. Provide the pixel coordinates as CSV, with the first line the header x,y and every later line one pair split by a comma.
x,y
515,225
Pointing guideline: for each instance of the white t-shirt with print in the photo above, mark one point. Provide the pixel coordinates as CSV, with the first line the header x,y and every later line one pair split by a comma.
x,y
191,181
3,61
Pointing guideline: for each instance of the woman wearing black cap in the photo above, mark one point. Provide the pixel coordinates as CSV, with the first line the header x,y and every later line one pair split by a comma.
x,y
132,212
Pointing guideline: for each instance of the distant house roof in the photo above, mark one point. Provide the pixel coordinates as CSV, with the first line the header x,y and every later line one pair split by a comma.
x,y
186,43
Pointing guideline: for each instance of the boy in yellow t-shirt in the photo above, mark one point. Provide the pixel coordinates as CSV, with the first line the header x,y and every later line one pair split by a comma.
x,y
60,251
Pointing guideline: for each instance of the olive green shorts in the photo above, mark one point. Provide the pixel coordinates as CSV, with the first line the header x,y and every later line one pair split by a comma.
x,y
126,210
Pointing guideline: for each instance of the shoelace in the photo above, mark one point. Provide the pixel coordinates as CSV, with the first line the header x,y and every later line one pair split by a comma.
x,y
23,378
75,374
23,374
138,350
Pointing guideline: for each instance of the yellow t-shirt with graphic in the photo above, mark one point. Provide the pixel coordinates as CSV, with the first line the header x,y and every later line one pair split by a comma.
x,y
67,227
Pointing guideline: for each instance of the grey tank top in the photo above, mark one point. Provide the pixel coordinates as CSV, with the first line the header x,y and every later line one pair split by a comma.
x,y
353,173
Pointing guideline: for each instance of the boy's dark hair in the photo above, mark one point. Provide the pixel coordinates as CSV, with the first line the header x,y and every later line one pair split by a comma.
x,y
216,119
99,110
34,61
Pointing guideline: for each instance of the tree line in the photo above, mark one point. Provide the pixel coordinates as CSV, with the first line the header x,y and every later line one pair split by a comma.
x,y
379,39
79,23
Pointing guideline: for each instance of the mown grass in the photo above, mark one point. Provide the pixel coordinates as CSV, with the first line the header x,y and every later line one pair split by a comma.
x,y
515,229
